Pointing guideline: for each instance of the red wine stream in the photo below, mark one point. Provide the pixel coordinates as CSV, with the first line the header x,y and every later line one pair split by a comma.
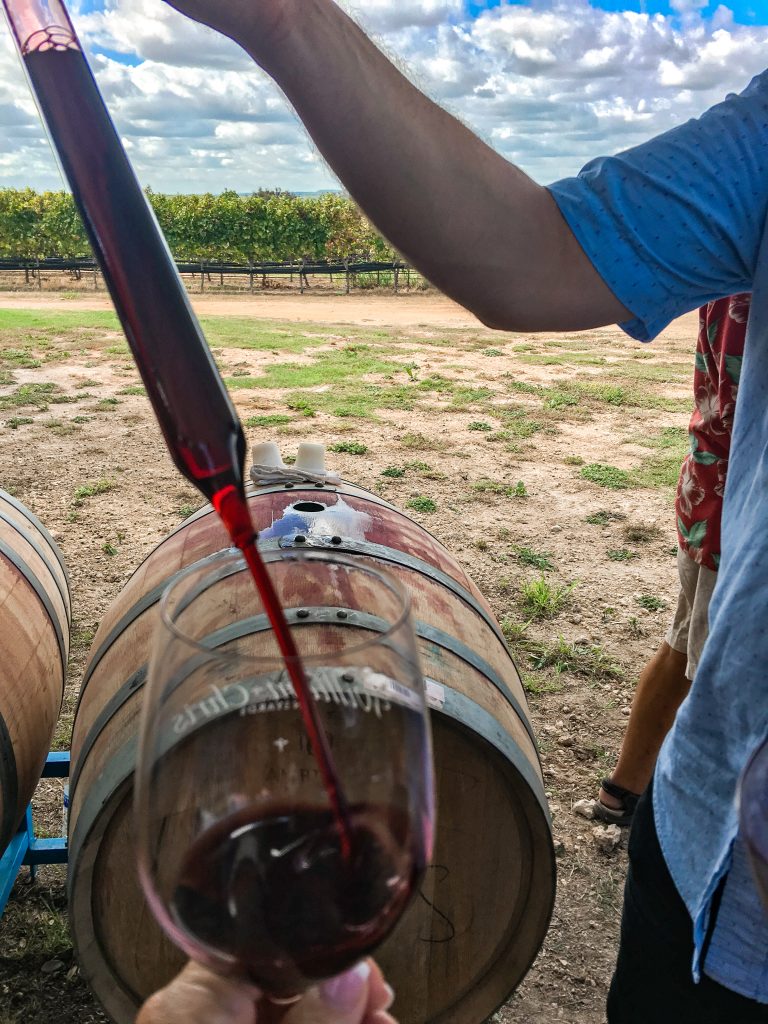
x,y
198,420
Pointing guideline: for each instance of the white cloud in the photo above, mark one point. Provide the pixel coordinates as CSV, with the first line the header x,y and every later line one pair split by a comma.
x,y
550,84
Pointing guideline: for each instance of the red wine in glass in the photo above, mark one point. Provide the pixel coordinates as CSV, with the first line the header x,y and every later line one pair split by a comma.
x,y
275,892
201,428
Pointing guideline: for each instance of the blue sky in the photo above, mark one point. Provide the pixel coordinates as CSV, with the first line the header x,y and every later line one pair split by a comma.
x,y
746,12
549,83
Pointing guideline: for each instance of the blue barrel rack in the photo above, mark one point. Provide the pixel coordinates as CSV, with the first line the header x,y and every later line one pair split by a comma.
x,y
26,849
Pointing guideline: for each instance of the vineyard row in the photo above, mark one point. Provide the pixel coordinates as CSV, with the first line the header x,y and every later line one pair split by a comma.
x,y
228,229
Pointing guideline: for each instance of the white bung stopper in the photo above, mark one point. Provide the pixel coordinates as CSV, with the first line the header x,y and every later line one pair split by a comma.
x,y
267,454
310,457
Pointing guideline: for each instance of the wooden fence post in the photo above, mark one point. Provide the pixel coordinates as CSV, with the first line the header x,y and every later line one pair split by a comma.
x,y
202,277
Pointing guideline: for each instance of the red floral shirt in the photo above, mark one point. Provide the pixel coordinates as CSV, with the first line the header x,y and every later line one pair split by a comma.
x,y
719,352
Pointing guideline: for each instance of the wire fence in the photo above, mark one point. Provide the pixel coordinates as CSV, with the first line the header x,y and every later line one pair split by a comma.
x,y
201,274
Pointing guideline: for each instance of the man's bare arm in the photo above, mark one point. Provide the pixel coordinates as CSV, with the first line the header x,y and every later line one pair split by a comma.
x,y
474,224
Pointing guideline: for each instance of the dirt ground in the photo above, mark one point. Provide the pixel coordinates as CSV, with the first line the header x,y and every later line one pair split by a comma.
x,y
547,459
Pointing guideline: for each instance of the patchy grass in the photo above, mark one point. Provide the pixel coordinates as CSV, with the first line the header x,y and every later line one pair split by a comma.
x,y
517,490
18,421
604,517
621,555
36,396
133,389
393,472
659,471
651,604
540,599
421,504
348,447
92,490
607,476
639,533
275,419
480,426
420,442
339,366
522,387
584,660
536,559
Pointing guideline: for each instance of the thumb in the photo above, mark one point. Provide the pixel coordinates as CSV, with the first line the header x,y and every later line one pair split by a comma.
x,y
342,1000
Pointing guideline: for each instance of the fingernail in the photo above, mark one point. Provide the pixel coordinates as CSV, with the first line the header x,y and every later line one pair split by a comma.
x,y
346,991
390,996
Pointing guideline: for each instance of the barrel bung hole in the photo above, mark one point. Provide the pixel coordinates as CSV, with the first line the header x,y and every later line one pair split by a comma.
x,y
309,506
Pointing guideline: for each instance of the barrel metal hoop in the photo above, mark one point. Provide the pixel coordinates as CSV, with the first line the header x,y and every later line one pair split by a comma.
x,y
457,706
133,613
271,551
323,615
9,785
401,558
54,546
38,548
15,559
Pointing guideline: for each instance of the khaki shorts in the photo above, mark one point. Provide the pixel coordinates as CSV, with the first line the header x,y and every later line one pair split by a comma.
x,y
690,626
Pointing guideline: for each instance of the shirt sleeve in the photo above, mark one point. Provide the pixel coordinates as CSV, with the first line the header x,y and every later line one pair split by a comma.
x,y
679,220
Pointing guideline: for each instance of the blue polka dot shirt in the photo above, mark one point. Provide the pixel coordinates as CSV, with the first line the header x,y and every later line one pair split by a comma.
x,y
670,225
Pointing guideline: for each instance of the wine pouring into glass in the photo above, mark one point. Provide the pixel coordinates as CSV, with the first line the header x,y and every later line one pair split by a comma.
x,y
199,423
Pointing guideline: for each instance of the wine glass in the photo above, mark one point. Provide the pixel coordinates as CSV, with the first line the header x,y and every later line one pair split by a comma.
x,y
243,859
753,813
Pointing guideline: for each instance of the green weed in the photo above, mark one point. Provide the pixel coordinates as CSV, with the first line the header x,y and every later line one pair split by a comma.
x,y
496,487
18,421
603,518
540,599
271,420
92,490
621,555
480,426
538,560
421,504
393,472
34,395
607,476
349,447
651,604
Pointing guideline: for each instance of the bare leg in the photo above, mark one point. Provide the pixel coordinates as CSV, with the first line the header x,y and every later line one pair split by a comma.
x,y
661,689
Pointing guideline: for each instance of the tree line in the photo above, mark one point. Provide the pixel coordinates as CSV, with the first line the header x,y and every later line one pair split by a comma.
x,y
233,228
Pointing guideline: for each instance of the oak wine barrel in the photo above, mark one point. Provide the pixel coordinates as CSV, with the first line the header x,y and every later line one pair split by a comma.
x,y
485,905
35,620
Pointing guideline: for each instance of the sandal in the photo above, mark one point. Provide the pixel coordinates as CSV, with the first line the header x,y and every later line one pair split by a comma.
x,y
617,815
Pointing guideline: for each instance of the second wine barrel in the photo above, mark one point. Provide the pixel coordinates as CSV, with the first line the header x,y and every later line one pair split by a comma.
x,y
35,619
484,907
